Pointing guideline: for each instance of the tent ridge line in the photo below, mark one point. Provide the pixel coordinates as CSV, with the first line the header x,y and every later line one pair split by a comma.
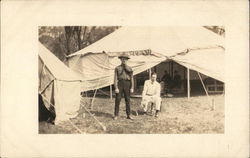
x,y
132,53
184,52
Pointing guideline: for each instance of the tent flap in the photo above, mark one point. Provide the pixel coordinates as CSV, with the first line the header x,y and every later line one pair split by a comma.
x,y
97,70
67,100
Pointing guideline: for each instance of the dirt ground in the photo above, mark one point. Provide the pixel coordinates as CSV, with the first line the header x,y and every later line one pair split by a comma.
x,y
177,116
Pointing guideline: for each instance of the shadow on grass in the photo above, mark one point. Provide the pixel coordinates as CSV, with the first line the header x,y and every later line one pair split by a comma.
x,y
109,115
102,114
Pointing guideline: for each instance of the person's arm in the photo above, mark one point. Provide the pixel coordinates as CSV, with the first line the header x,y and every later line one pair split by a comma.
x,y
115,79
132,83
127,68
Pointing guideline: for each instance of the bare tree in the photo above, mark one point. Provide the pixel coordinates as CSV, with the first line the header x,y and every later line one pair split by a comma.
x,y
68,34
63,41
78,32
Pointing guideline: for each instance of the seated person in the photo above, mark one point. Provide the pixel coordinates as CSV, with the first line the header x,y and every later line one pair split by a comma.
x,y
151,94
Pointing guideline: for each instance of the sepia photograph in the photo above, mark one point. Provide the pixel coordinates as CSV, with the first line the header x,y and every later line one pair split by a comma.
x,y
113,78
131,79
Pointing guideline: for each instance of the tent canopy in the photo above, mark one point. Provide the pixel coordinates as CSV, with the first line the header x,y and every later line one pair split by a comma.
x,y
167,40
147,47
207,61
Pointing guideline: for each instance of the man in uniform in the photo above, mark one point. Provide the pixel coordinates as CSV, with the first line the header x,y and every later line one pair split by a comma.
x,y
124,84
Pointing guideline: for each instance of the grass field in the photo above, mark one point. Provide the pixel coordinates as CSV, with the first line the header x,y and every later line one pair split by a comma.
x,y
177,116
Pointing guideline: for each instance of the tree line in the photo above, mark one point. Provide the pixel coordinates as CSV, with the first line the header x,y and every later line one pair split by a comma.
x,y
65,40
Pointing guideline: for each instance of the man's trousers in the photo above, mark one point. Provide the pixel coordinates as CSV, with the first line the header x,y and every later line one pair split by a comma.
x,y
124,88
156,100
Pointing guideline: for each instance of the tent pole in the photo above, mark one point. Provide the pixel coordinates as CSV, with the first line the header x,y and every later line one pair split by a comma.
x,y
169,67
135,82
212,107
172,68
188,83
110,92
103,127
149,73
92,102
203,84
46,86
78,129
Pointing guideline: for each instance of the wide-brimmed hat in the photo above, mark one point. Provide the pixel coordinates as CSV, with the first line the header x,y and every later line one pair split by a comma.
x,y
124,56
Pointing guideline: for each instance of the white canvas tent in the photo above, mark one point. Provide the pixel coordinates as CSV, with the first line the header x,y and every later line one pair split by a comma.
x,y
209,62
58,85
163,40
147,47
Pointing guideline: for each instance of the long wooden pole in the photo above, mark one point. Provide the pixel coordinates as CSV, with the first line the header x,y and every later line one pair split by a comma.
x,y
212,106
149,73
92,101
188,83
203,84
111,92
92,115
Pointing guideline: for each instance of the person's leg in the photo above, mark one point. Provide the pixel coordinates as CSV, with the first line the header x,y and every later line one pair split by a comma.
x,y
150,105
126,90
144,103
118,99
157,101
